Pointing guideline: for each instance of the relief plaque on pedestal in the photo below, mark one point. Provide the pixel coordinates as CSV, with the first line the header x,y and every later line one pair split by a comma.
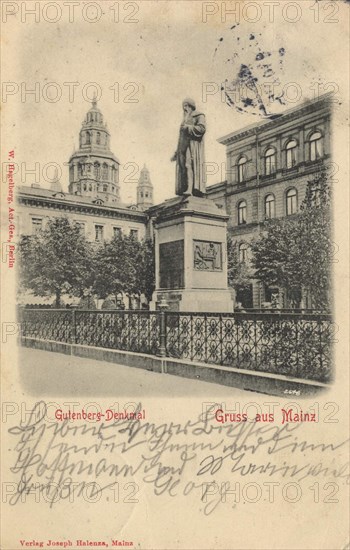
x,y
191,256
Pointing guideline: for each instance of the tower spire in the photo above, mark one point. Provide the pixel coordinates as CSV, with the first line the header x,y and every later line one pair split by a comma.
x,y
93,168
144,190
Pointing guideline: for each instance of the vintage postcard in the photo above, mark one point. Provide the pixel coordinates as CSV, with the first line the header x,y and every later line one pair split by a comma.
x,y
175,275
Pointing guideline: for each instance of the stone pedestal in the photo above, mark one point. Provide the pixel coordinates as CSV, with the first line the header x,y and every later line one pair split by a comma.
x,y
191,256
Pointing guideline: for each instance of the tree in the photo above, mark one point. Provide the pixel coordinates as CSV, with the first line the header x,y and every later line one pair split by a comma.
x,y
125,265
296,252
57,259
146,272
238,275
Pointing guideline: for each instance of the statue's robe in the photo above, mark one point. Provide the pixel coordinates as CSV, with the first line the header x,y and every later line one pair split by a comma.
x,y
190,167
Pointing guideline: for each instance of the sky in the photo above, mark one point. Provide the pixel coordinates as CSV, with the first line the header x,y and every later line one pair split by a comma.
x,y
157,54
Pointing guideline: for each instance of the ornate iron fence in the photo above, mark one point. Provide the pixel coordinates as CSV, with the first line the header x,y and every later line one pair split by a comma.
x,y
298,345
124,330
295,345
47,324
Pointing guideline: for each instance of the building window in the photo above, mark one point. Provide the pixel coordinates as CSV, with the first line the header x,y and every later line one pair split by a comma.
x,y
242,212
114,174
105,171
243,253
117,232
88,138
270,161
99,233
134,233
291,153
105,188
291,201
269,207
98,138
242,171
37,225
97,170
80,170
81,226
316,146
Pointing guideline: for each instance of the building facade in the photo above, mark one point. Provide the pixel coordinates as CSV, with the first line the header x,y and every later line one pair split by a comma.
x,y
268,167
93,197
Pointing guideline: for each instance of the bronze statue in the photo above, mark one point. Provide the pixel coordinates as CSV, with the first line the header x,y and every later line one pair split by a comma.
x,y
189,156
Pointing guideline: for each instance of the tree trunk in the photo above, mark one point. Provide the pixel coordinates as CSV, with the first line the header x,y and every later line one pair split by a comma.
x,y
58,298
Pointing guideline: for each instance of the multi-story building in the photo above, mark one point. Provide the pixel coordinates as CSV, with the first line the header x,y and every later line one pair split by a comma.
x,y
93,198
268,167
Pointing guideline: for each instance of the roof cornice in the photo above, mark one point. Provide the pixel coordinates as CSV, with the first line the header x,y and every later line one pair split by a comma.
x,y
291,114
70,206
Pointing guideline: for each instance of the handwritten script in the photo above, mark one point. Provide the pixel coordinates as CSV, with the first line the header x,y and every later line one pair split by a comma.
x,y
61,458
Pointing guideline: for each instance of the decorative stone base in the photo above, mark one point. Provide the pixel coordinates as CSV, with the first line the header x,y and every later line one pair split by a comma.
x,y
191,300
191,257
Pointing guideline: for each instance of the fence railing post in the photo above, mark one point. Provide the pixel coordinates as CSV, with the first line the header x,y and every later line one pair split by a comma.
x,y
74,327
162,334
163,306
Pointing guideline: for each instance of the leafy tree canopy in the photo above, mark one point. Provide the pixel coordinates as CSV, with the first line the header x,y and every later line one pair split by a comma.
x,y
57,259
296,252
125,265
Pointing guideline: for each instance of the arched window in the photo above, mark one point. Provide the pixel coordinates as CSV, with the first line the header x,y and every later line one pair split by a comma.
x,y
291,153
97,170
80,170
105,171
114,174
291,201
84,187
270,161
242,212
316,146
71,173
88,138
98,138
242,169
105,188
243,253
90,187
269,206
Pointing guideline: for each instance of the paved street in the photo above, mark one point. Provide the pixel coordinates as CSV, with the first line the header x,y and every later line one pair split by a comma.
x,y
48,373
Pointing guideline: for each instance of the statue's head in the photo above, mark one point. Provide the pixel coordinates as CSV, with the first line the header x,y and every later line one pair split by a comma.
x,y
188,104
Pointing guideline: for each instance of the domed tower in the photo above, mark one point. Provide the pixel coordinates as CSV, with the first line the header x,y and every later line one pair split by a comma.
x,y
93,169
144,190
